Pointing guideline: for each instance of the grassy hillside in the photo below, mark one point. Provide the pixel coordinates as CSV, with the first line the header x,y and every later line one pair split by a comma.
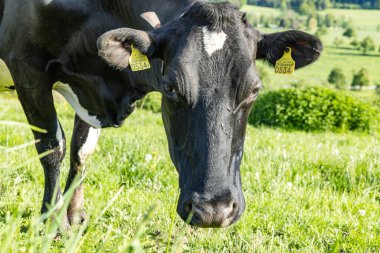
x,y
364,20
260,10
344,56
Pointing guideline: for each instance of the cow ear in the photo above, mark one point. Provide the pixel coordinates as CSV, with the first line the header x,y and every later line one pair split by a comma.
x,y
115,46
305,48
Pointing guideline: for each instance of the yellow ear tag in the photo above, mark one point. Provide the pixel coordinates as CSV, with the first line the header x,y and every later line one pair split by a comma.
x,y
286,64
138,61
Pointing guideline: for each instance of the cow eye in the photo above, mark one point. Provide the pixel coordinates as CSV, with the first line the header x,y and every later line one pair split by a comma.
x,y
171,92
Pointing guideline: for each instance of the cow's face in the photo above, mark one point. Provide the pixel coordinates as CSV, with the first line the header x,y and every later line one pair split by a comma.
x,y
209,85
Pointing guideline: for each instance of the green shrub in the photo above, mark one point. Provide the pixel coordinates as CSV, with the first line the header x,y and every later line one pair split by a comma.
x,y
349,32
360,79
337,78
367,44
311,109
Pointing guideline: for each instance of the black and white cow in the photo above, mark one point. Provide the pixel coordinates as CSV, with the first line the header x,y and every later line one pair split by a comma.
x,y
203,62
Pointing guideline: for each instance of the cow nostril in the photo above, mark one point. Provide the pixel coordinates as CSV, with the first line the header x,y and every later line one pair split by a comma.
x,y
234,209
234,206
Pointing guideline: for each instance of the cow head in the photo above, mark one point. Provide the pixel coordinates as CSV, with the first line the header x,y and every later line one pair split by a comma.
x,y
210,83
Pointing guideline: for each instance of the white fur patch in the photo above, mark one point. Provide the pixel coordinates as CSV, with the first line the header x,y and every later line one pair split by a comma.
x,y
66,91
89,145
213,41
59,136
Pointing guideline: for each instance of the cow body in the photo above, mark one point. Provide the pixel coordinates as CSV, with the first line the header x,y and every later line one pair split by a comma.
x,y
202,60
44,41
60,36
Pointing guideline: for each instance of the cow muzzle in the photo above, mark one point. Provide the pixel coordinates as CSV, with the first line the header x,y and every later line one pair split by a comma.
x,y
216,212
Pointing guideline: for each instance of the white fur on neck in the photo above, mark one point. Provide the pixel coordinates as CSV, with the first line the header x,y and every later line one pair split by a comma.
x,y
213,41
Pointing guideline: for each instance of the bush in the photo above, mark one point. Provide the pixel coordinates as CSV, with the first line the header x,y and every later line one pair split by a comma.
x,y
360,79
349,32
367,44
311,109
337,78
355,44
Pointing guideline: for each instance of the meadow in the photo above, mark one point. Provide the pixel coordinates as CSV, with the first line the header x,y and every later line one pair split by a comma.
x,y
305,192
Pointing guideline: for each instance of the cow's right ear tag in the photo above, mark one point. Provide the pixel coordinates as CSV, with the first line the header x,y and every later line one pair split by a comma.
x,y
138,61
286,64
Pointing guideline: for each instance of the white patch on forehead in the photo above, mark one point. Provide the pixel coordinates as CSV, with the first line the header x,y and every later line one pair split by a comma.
x,y
213,41
66,91
89,145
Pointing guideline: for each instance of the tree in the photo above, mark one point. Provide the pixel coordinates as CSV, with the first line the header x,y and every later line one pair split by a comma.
x,y
322,4
307,8
312,24
361,78
329,20
367,44
355,44
350,32
337,78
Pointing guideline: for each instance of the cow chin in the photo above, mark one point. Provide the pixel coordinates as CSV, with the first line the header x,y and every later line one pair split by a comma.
x,y
210,201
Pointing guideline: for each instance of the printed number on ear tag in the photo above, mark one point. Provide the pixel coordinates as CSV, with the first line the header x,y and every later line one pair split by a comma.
x,y
286,64
138,61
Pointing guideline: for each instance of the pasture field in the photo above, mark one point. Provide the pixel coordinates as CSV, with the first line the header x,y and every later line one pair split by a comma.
x,y
260,10
305,192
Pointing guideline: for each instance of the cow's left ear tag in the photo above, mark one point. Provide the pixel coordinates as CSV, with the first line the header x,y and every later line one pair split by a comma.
x,y
138,61
286,64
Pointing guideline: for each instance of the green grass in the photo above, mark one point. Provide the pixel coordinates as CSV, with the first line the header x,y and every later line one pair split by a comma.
x,y
365,21
305,192
259,10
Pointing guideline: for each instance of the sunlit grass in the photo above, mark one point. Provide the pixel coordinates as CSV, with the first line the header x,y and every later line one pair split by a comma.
x,y
305,192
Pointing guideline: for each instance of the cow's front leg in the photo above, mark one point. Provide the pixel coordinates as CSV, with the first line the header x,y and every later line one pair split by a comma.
x,y
50,143
83,144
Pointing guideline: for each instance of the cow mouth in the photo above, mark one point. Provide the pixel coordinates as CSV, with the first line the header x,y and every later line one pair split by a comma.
x,y
219,211
197,219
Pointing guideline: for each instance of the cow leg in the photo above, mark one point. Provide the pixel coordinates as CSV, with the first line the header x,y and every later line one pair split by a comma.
x,y
39,109
83,144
